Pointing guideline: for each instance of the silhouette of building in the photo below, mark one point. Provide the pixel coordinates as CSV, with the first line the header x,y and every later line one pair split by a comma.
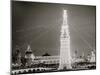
x,y
17,57
46,54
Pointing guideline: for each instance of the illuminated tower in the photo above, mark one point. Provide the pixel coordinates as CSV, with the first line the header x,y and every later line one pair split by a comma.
x,y
65,57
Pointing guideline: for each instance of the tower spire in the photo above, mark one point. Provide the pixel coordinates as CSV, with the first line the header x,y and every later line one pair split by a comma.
x,y
29,48
65,17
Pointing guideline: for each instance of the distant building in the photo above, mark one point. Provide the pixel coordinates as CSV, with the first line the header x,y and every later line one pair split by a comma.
x,y
46,59
46,54
18,57
92,59
29,56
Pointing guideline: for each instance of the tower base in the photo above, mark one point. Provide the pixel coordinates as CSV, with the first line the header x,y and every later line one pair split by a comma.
x,y
65,67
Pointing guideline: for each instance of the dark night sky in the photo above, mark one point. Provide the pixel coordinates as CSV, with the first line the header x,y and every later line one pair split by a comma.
x,y
39,24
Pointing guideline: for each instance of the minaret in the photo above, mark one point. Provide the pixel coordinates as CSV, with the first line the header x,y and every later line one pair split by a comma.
x,y
65,57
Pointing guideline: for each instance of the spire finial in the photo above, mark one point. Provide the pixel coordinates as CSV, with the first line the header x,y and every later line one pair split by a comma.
x,y
65,17
28,48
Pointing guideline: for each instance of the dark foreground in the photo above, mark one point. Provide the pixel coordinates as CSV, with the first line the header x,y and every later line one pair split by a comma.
x,y
75,67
